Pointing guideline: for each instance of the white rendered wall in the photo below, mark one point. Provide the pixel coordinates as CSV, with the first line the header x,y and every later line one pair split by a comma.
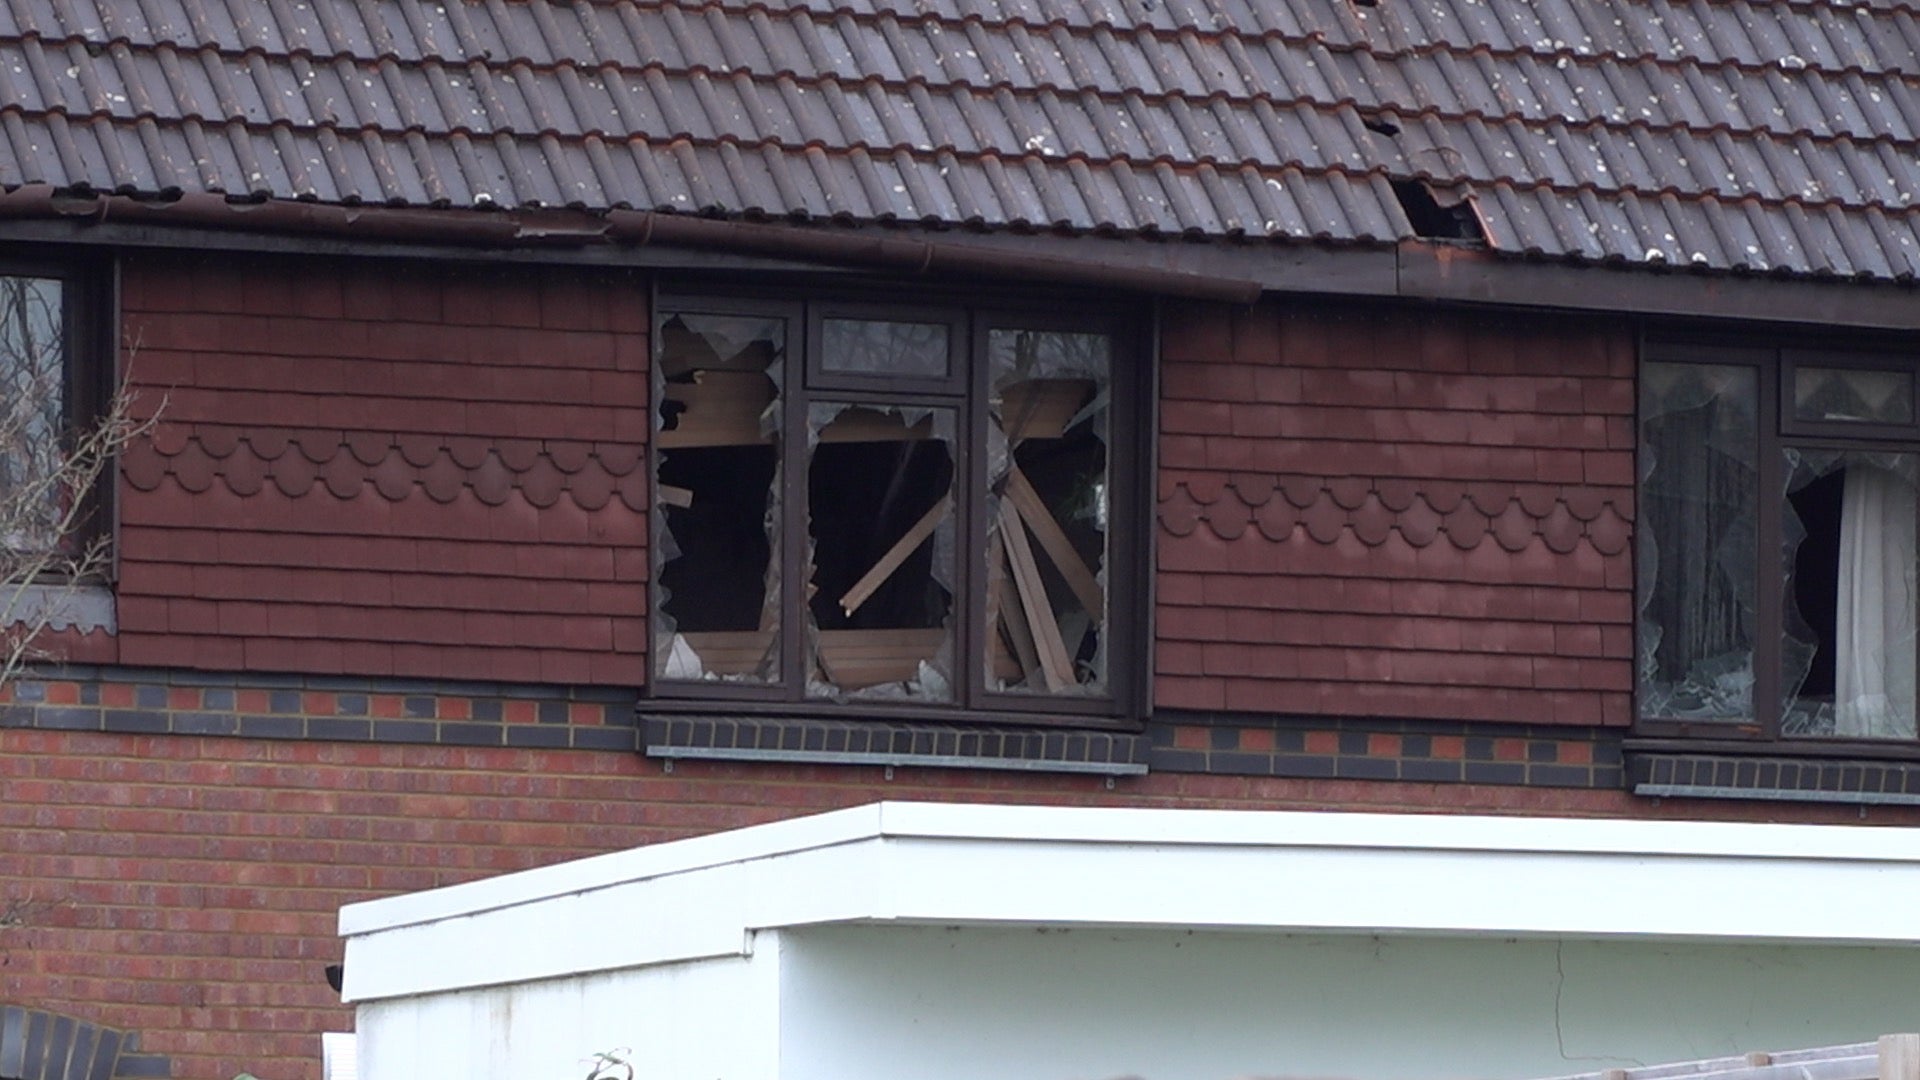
x,y
702,1019
906,1003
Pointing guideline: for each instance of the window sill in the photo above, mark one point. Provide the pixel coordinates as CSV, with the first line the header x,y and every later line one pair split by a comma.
x,y
1709,775
63,606
820,741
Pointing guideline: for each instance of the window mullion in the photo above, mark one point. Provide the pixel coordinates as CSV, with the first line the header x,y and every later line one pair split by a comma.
x,y
1769,561
971,504
796,652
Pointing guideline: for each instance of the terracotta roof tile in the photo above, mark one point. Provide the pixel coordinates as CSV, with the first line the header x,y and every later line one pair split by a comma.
x,y
1780,137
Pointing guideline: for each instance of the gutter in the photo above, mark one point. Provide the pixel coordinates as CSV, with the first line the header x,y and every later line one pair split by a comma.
x,y
1421,270
639,228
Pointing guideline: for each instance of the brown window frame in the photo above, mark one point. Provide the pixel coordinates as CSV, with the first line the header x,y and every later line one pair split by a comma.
x,y
89,380
1776,430
964,390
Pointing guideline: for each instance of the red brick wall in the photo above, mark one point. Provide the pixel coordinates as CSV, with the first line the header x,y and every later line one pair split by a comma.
x,y
385,469
1395,512
186,888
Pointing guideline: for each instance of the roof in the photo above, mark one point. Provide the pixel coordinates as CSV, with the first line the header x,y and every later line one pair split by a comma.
x,y
1779,137
951,864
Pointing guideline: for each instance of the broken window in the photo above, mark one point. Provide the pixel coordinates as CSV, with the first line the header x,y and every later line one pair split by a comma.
x,y
1047,511
717,592
880,515
1816,639
868,508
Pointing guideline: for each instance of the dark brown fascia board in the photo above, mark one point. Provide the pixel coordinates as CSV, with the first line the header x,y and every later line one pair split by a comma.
x,y
1231,271
897,251
1454,274
1449,273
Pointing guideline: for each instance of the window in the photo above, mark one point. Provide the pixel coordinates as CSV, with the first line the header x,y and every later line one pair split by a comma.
x,y
46,394
1776,544
872,509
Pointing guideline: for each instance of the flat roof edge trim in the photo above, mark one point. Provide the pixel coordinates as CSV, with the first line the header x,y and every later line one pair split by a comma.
x,y
682,856
1023,825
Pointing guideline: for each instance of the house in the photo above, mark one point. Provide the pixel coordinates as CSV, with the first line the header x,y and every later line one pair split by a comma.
x,y
584,425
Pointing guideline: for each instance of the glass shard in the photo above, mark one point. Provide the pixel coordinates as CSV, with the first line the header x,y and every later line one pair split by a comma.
x,y
1697,541
1853,395
871,347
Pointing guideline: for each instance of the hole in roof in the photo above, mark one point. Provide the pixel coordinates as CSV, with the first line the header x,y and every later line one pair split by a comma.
x,y
1379,124
1433,221
1366,3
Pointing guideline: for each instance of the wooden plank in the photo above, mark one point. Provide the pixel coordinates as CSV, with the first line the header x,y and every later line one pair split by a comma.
x,y
1055,666
1002,625
894,643
856,659
731,652
674,496
1033,510
1900,1057
883,569
1041,408
718,408
869,425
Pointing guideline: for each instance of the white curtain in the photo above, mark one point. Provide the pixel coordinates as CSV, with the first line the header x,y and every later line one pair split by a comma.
x,y
1874,623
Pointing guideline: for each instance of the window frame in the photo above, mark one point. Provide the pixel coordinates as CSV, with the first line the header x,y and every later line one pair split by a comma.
x,y
89,378
970,316
1777,429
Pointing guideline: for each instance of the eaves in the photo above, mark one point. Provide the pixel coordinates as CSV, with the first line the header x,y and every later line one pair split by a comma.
x,y
1230,271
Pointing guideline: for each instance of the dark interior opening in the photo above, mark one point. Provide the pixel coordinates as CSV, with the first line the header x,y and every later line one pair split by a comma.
x,y
1816,576
718,582
863,497
1433,221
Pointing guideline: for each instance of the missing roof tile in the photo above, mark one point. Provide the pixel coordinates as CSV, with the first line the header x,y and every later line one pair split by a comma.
x,y
1433,220
1379,124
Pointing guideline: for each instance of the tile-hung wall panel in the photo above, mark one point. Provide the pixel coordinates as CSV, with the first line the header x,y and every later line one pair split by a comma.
x,y
1440,532
386,470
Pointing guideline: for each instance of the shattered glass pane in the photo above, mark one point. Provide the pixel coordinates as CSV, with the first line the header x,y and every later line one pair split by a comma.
x,y
870,347
717,613
881,573
1848,564
33,385
1047,519
1697,540
1828,394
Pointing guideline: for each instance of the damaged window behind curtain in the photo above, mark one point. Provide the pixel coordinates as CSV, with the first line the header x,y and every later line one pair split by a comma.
x,y
870,509
1777,557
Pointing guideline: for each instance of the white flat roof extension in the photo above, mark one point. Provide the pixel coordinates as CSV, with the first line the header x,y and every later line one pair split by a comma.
x,y
942,864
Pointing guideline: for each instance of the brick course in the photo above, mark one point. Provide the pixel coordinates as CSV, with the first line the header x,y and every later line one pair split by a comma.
x,y
186,887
